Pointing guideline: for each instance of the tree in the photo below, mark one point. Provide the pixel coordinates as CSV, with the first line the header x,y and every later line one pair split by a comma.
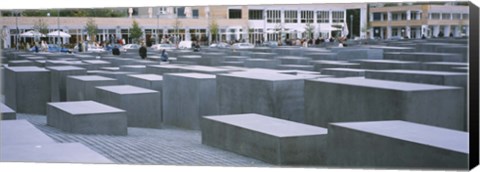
x,y
91,28
135,32
41,26
213,29
176,26
309,29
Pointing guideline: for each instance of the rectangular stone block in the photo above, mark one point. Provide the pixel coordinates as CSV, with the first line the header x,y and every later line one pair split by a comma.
x,y
212,59
187,97
27,89
261,63
318,65
58,77
358,53
271,140
21,132
423,56
396,144
87,117
120,76
162,69
268,93
442,66
343,72
134,68
7,113
96,64
13,63
294,60
204,69
142,105
52,153
83,87
389,64
355,99
189,59
418,76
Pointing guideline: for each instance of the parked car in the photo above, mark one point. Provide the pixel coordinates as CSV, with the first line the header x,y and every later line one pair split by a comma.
x,y
220,45
270,44
163,47
130,47
243,46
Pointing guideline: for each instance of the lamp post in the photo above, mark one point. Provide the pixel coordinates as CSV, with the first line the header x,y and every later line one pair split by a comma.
x,y
58,27
351,25
18,34
156,32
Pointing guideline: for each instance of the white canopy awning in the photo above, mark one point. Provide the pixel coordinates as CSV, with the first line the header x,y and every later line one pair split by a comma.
x,y
59,34
32,34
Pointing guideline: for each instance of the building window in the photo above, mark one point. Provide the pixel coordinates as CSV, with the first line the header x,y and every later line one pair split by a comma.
x,y
273,16
456,16
338,16
255,14
181,12
323,17
445,16
399,16
465,16
403,16
435,16
234,13
377,16
394,31
414,15
385,16
194,13
307,17
291,16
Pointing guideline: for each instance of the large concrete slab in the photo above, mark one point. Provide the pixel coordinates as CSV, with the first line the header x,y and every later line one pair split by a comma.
x,y
52,153
424,56
443,66
58,78
268,93
318,65
6,112
87,117
272,140
83,87
343,72
356,99
396,144
418,76
27,89
12,63
134,68
212,59
389,64
21,132
187,97
162,69
96,64
142,105
261,63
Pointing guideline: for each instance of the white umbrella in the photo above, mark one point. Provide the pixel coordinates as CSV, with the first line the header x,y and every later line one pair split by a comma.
x,y
59,34
32,34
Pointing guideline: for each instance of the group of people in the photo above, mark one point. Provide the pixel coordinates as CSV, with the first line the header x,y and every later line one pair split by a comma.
x,y
38,47
142,51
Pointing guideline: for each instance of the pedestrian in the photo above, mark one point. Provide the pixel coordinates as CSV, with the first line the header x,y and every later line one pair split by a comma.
x,y
115,51
164,56
36,47
143,51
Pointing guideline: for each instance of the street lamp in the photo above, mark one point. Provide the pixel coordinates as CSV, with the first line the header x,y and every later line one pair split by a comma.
x,y
156,32
351,25
18,31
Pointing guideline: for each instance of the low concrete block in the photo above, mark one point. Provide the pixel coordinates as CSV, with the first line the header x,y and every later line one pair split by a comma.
x,y
7,113
187,97
96,64
87,117
261,63
295,67
294,60
21,132
343,72
268,93
162,69
424,56
355,99
442,66
134,68
12,63
396,144
142,105
318,65
265,138
27,89
389,64
58,77
83,87
212,59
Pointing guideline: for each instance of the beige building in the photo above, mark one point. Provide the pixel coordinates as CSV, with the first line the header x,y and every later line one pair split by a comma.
x,y
251,23
414,21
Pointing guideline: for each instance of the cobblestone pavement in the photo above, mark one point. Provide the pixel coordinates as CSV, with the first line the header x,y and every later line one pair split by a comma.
x,y
166,146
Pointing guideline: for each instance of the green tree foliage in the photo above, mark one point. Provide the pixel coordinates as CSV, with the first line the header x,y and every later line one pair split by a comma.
x,y
101,12
91,28
309,29
135,31
41,26
213,29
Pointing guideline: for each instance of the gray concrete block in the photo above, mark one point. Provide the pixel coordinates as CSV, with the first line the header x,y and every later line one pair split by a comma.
x,y
294,60
134,68
112,69
212,59
204,69
142,105
21,132
423,56
58,78
162,69
234,63
265,138
261,63
7,113
13,63
83,87
295,67
321,56
443,66
187,97
96,64
189,59
356,99
351,53
426,77
396,144
120,76
263,55
343,72
389,64
318,65
87,117
52,153
148,81
27,89
268,93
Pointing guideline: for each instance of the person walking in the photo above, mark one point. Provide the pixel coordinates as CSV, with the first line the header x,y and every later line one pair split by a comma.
x,y
143,51
164,56
115,50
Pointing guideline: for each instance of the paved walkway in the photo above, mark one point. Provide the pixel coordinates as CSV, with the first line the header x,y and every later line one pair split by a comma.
x,y
167,146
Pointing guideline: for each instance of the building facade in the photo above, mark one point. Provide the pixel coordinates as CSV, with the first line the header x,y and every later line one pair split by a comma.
x,y
415,21
251,23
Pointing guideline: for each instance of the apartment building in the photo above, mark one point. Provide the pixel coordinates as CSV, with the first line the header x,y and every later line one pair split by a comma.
x,y
415,21
251,23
